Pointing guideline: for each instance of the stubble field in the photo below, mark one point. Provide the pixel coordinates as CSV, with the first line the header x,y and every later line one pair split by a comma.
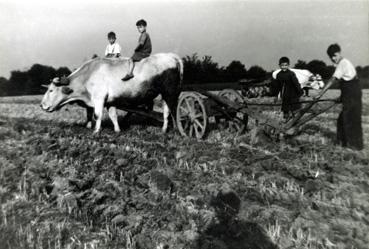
x,y
63,187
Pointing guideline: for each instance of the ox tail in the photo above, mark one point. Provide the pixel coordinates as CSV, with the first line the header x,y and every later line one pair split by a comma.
x,y
180,68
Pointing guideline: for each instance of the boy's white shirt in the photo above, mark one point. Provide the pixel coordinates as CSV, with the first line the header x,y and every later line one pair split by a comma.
x,y
113,49
344,70
303,76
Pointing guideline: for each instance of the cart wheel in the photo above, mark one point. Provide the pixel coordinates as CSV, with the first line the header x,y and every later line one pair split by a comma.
x,y
238,124
191,115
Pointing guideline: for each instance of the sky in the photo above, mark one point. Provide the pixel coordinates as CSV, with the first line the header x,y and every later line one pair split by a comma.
x,y
66,33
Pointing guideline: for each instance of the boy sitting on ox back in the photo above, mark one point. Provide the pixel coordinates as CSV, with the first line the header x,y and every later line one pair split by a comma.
x,y
142,50
113,49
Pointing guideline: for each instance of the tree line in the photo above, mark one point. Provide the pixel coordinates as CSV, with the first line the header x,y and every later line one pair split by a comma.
x,y
204,70
29,82
197,70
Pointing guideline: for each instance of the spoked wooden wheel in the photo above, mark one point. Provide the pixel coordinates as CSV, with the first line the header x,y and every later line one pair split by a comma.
x,y
191,115
239,120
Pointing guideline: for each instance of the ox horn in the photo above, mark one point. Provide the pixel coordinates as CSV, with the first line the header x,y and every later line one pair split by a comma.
x,y
63,81
56,81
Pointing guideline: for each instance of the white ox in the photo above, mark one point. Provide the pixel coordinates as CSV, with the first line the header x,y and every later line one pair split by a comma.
x,y
305,78
97,84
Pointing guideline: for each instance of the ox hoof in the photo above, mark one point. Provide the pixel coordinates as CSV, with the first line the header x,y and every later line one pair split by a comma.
x,y
116,131
89,125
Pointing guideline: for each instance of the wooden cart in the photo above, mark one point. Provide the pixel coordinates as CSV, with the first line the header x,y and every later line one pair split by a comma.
x,y
197,108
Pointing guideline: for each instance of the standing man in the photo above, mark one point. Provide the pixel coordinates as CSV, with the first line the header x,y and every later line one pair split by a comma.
x,y
349,129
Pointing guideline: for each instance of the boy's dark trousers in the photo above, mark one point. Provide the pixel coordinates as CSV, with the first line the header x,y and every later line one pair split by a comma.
x,y
349,129
290,104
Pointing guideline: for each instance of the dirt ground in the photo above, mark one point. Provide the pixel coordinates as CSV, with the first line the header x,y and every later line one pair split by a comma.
x,y
63,187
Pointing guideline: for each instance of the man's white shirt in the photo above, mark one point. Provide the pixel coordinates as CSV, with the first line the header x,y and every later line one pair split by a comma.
x,y
344,70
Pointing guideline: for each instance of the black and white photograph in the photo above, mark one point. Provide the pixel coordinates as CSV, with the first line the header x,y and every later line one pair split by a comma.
x,y
172,124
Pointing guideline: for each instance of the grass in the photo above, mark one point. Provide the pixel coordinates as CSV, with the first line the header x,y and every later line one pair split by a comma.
x,y
63,187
